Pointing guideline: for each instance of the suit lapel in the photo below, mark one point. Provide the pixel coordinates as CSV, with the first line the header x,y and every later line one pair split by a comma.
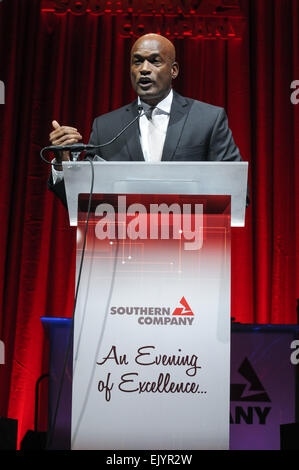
x,y
132,134
178,115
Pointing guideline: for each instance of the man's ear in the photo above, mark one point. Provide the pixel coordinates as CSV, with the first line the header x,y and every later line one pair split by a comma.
x,y
175,70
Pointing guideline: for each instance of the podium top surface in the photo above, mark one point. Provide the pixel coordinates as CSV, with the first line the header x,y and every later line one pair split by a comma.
x,y
176,178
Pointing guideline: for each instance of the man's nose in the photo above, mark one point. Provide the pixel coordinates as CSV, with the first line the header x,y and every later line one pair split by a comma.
x,y
145,68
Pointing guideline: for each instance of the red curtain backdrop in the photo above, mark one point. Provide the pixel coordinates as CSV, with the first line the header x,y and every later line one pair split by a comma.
x,y
73,68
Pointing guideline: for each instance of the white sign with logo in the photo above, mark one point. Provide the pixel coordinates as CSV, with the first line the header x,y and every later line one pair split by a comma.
x,y
152,342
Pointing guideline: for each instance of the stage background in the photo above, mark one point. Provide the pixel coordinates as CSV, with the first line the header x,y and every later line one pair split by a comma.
x,y
73,68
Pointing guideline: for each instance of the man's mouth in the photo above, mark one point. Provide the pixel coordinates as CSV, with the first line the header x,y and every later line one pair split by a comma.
x,y
145,82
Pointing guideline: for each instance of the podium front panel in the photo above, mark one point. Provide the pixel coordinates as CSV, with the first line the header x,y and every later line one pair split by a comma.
x,y
151,364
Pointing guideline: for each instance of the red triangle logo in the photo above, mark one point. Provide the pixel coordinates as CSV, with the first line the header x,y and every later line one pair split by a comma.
x,y
185,310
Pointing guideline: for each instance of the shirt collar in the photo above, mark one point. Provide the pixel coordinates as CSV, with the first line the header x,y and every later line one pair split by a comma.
x,y
163,105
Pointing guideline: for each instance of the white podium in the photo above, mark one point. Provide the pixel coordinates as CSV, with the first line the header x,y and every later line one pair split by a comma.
x,y
151,361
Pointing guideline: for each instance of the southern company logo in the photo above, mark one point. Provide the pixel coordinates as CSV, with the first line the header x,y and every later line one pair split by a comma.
x,y
237,390
186,310
252,391
182,315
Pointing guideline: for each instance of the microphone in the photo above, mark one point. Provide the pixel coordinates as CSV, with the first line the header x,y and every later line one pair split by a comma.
x,y
78,148
72,147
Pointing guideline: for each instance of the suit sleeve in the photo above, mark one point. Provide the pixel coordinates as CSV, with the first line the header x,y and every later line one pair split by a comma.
x,y
93,139
222,144
58,189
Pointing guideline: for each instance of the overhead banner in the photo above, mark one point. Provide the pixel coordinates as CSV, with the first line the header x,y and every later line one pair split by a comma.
x,y
206,19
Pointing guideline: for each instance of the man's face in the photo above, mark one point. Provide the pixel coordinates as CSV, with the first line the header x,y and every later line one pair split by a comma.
x,y
153,68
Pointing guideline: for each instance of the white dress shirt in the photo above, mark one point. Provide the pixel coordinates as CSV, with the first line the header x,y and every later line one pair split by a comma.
x,y
160,116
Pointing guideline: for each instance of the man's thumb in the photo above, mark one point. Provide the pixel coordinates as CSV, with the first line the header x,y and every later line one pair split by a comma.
x,y
55,124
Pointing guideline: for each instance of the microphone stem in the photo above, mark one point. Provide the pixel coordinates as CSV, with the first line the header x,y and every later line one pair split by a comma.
x,y
123,130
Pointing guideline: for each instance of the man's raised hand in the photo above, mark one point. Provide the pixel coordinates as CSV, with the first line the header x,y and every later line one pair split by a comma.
x,y
63,135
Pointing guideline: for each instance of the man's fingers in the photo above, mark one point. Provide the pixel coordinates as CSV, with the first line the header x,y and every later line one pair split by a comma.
x,y
70,141
56,126
57,136
65,140
73,134
60,131
63,135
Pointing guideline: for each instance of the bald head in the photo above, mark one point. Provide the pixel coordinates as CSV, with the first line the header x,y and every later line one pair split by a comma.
x,y
151,38
153,67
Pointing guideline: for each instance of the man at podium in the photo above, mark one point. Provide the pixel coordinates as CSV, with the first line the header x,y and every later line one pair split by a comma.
x,y
160,126
170,128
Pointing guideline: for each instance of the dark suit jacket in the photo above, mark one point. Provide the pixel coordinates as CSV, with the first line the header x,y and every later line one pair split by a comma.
x,y
196,131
